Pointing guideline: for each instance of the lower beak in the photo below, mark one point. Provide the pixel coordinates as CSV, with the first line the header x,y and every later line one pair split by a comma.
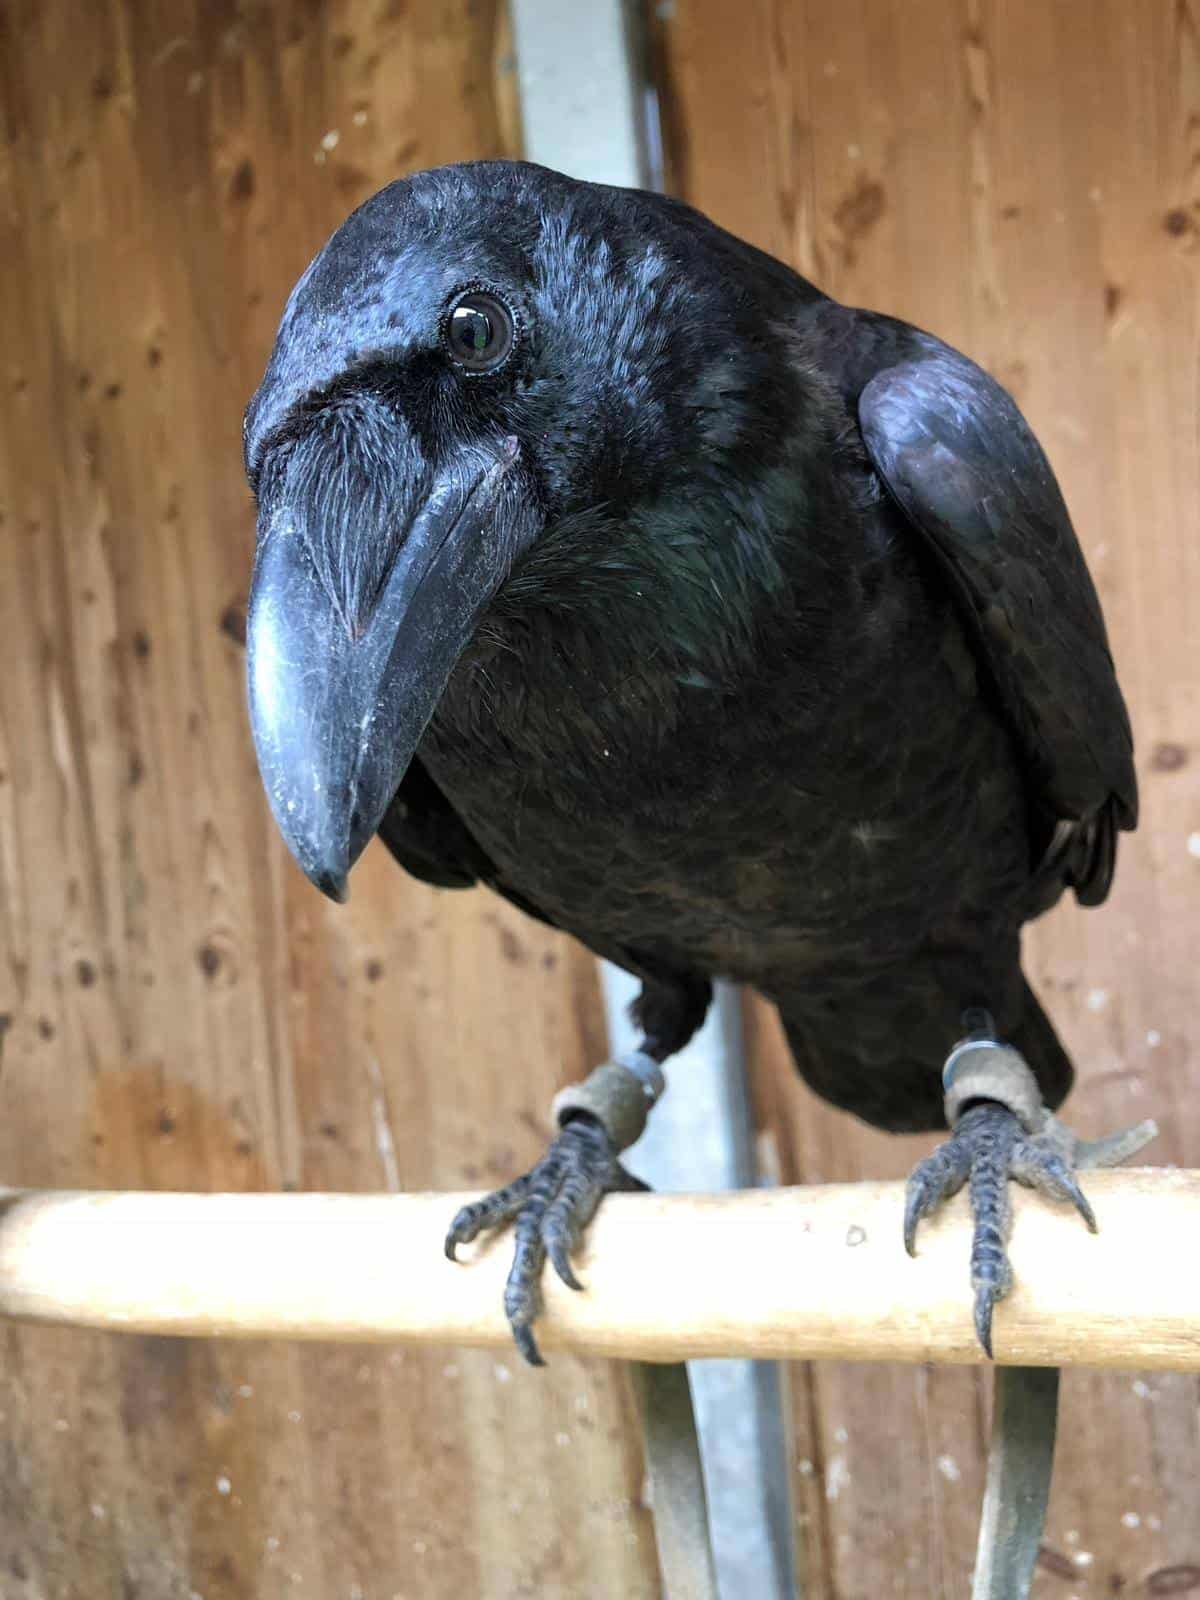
x,y
337,712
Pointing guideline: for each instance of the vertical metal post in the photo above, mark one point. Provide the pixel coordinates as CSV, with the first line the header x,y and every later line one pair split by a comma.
x,y
588,109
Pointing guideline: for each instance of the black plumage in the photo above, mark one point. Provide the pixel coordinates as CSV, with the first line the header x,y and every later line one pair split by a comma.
x,y
785,666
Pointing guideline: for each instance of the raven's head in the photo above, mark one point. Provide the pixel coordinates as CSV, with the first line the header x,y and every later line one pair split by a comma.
x,y
485,365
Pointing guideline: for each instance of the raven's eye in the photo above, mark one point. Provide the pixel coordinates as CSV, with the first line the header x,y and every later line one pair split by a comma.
x,y
480,332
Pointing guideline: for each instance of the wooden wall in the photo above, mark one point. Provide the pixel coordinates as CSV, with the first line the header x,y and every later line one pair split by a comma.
x,y
182,1010
1024,180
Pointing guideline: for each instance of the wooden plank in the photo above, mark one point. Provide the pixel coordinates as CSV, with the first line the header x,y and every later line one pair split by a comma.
x,y
165,173
668,1277
1021,179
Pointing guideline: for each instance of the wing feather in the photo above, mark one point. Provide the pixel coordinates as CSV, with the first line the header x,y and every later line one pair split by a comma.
x,y
963,465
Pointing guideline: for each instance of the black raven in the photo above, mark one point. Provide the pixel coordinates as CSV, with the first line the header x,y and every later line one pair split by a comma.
x,y
604,560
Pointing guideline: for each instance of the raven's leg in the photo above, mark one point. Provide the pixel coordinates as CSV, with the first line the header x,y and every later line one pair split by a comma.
x,y
1002,1131
598,1118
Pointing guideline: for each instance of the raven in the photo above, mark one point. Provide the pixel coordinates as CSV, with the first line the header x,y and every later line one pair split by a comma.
x,y
604,560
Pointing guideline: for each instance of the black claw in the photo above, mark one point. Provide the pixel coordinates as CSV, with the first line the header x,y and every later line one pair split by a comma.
x,y
985,1304
526,1344
1048,1172
557,1251
1059,1172
913,1212
1081,1204
461,1231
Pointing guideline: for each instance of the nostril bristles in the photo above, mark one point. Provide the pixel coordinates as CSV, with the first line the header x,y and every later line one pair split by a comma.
x,y
350,483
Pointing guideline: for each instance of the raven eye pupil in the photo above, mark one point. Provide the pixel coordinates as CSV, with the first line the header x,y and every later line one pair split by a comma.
x,y
479,332
471,329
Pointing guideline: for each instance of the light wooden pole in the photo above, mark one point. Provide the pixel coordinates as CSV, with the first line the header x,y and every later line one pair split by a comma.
x,y
790,1273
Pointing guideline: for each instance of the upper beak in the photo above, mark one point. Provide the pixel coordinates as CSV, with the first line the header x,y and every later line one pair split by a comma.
x,y
338,705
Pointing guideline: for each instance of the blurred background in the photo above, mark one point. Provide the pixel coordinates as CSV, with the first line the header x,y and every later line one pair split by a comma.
x,y
180,1010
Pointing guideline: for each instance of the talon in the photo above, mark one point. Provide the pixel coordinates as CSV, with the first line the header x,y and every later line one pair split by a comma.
x,y
914,1210
462,1230
527,1345
1081,1203
1041,1167
560,1261
985,1303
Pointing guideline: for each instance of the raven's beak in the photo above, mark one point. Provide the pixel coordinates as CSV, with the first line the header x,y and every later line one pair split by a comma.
x,y
340,696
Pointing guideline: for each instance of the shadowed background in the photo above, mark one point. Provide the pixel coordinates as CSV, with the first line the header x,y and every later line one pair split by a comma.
x,y
181,1010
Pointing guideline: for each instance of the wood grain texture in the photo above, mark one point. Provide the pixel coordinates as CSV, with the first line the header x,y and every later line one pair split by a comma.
x,y
1024,180
668,1277
165,173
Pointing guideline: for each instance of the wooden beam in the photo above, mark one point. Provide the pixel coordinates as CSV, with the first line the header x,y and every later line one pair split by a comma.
x,y
795,1273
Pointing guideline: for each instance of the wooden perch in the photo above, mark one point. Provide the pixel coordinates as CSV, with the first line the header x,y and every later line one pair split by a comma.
x,y
793,1273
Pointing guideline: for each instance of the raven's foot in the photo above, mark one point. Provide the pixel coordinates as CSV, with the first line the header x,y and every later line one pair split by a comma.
x,y
989,1146
553,1203
1002,1131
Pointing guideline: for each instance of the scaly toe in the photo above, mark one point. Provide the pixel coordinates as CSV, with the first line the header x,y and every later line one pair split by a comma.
x,y
551,1205
1038,1165
933,1180
493,1210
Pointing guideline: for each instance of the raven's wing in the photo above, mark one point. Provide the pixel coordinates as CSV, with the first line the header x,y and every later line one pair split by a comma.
x,y
428,837
964,467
